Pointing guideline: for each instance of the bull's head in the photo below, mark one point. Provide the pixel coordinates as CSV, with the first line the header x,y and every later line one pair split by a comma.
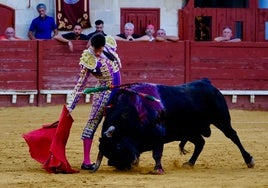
x,y
130,118
119,127
121,154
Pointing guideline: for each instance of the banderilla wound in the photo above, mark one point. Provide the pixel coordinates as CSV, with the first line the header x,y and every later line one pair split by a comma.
x,y
146,96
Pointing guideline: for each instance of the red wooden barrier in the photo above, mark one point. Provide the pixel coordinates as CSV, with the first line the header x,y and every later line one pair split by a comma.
x,y
161,62
141,62
18,73
237,66
58,70
47,67
233,66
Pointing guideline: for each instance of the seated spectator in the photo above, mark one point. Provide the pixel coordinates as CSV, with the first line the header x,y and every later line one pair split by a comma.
x,y
75,35
10,34
227,36
128,34
162,36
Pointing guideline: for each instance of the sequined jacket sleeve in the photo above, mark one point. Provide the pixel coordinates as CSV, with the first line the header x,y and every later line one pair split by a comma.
x,y
78,89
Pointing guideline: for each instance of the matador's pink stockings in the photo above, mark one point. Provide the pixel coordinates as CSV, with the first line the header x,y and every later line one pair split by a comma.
x,y
87,142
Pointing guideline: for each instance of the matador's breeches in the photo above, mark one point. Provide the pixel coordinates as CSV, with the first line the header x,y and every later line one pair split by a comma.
x,y
97,110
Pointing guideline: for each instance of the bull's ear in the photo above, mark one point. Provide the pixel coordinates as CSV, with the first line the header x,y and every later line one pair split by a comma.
x,y
110,131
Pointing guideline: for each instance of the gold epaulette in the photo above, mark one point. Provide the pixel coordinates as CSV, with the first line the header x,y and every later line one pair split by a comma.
x,y
110,41
88,60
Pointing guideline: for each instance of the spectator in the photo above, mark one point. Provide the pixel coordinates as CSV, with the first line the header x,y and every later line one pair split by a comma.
x,y
10,34
75,35
149,34
227,36
128,34
99,25
162,36
42,26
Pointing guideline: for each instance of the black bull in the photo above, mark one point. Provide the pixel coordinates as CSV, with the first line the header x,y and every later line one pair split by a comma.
x,y
135,124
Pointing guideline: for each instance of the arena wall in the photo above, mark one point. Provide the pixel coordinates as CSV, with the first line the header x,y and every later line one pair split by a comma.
x,y
40,73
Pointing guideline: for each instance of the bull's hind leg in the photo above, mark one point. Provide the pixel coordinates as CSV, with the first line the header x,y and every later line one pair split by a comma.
x,y
199,143
229,132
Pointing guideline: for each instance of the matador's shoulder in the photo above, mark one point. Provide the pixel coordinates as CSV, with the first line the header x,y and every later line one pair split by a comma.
x,y
88,60
111,42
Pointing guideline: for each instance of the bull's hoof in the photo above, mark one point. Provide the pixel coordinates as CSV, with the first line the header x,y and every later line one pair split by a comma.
x,y
135,163
184,151
158,172
188,165
251,164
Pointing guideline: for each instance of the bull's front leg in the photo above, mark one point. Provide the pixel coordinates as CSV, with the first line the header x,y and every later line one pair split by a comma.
x,y
157,155
181,147
199,143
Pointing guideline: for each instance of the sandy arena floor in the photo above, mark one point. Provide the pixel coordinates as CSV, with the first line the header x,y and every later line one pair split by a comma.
x,y
219,165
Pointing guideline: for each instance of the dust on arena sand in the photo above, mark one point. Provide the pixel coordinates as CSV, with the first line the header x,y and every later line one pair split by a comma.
x,y
219,165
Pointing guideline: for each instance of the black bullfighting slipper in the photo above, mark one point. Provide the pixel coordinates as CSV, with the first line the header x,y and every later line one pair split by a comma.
x,y
88,167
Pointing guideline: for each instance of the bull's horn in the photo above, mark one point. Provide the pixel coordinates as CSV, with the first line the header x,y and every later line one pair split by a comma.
x,y
109,131
98,162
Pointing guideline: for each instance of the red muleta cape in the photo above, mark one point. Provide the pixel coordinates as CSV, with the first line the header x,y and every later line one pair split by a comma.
x,y
47,144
